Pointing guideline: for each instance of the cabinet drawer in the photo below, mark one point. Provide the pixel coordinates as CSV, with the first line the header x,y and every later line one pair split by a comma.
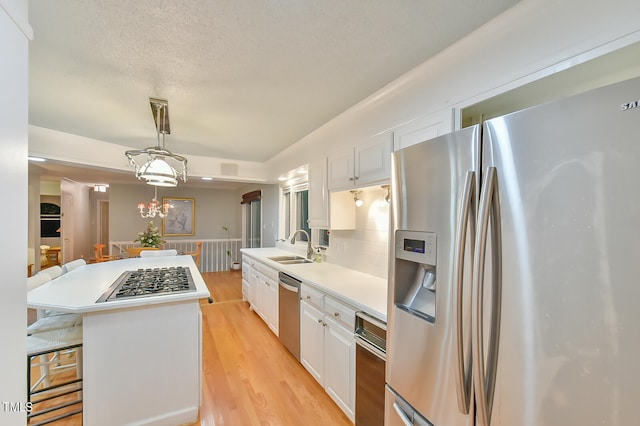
x,y
341,313
267,271
312,296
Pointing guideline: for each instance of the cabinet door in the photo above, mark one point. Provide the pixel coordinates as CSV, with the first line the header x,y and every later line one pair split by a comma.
x,y
423,128
373,160
318,195
253,289
340,170
261,297
271,305
245,290
340,363
312,341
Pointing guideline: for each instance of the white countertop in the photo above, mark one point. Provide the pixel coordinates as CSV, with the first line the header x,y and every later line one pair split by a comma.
x,y
78,290
365,292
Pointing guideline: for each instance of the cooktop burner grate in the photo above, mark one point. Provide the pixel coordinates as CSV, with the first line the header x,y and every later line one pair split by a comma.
x,y
150,282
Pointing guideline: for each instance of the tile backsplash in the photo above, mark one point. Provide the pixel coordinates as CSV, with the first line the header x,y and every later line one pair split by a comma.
x,y
365,248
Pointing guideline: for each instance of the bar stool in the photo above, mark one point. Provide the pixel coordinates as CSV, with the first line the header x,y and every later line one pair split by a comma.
x,y
45,346
49,320
70,266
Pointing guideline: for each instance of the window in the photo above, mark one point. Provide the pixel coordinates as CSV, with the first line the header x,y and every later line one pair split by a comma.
x,y
295,205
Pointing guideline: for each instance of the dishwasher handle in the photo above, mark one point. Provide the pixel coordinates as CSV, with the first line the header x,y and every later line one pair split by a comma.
x,y
288,287
288,282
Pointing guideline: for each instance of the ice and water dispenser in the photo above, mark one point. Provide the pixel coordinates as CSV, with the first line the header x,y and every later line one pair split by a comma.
x,y
415,273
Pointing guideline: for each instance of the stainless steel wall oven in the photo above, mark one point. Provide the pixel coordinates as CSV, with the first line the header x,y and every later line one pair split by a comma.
x,y
371,337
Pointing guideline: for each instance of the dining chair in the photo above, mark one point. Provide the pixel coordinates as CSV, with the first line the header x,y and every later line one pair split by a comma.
x,y
70,266
196,253
100,256
158,253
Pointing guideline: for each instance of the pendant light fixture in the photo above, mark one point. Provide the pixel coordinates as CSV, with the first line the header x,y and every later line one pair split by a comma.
x,y
156,170
154,208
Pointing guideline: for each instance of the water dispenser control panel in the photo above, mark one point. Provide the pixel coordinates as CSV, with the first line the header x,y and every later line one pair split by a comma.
x,y
416,246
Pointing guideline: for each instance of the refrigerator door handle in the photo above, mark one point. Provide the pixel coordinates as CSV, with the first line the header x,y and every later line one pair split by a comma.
x,y
403,416
466,217
484,377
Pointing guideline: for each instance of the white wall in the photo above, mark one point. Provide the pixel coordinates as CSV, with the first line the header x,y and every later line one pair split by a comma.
x,y
214,208
533,39
14,115
75,234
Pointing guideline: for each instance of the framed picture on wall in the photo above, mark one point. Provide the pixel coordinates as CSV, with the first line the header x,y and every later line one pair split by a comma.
x,y
181,218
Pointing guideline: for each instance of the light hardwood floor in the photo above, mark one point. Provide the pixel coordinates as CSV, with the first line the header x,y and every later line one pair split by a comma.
x,y
249,378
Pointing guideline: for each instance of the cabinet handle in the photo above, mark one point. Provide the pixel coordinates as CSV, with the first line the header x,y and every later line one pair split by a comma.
x,y
351,178
355,178
308,297
336,314
320,320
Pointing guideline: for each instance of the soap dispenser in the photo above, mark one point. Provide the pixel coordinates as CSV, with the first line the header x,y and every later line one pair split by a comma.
x,y
318,255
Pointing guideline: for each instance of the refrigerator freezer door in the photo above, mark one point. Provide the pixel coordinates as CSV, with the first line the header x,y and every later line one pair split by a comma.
x,y
570,221
428,181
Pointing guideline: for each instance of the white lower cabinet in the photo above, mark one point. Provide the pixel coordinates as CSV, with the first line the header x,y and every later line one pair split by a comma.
x,y
328,347
263,291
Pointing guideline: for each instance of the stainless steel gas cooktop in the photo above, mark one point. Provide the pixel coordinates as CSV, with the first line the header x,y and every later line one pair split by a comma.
x,y
150,282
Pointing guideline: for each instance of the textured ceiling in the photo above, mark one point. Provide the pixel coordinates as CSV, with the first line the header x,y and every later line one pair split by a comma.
x,y
244,79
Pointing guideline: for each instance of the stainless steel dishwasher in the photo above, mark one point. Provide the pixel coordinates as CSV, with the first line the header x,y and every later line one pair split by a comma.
x,y
289,313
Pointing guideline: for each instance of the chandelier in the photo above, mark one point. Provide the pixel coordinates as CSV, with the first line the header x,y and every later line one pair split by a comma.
x,y
154,207
156,170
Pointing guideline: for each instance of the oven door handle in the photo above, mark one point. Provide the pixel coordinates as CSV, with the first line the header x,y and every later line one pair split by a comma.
x,y
369,347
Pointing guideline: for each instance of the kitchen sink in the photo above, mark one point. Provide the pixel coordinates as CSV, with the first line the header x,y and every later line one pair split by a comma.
x,y
295,261
289,260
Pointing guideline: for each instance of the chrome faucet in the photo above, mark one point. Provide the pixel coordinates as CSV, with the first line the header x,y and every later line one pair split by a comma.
x,y
309,248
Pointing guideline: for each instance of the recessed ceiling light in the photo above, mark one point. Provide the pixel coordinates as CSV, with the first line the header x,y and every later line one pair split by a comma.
x,y
38,159
207,178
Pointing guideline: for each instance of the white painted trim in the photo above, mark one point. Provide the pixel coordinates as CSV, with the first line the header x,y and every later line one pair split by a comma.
x,y
566,64
21,20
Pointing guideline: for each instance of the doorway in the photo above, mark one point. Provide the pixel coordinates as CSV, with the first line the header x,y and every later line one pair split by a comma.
x,y
103,222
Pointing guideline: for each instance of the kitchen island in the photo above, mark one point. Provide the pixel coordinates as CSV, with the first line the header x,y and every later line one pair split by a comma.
x,y
142,356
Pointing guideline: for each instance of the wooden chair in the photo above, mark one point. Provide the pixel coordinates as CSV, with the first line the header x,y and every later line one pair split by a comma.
x,y
53,255
100,256
196,254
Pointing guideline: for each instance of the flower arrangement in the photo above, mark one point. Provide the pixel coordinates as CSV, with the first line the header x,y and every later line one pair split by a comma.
x,y
150,237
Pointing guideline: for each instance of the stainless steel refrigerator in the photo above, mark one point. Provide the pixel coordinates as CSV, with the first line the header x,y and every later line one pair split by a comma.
x,y
514,281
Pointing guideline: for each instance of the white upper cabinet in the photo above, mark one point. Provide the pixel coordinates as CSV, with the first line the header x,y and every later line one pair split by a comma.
x,y
362,165
422,129
318,195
